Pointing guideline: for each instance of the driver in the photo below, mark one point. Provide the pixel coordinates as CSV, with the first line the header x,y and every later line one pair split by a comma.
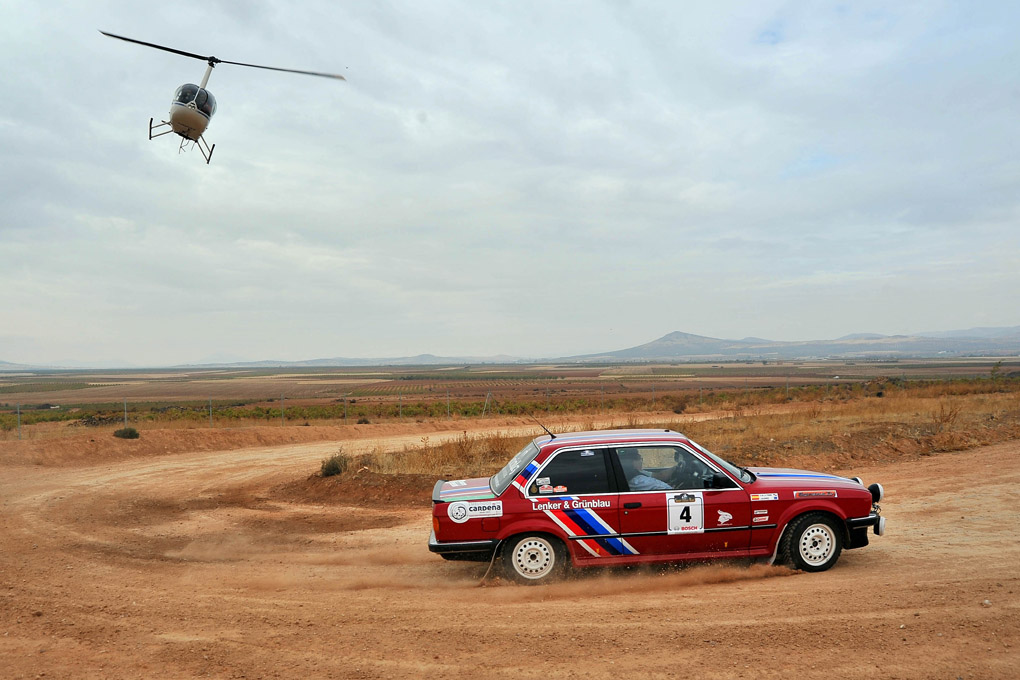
x,y
683,475
633,469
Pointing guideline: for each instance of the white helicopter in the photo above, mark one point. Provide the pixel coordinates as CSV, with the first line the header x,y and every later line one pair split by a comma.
x,y
193,106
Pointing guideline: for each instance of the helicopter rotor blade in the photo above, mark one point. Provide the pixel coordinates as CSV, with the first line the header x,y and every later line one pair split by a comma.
x,y
160,47
214,60
284,70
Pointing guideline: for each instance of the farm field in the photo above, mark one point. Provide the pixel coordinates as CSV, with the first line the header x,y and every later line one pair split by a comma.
x,y
259,396
220,557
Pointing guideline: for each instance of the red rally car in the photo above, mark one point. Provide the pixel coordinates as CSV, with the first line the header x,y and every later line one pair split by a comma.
x,y
637,496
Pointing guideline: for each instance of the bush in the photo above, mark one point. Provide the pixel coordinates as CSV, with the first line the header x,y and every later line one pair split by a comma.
x,y
126,433
364,421
336,464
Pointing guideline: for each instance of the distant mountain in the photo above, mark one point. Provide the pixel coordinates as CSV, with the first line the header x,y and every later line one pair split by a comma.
x,y
418,360
675,346
983,332
678,346
863,336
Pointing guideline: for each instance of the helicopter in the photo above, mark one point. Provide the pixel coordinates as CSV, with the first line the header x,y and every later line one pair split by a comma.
x,y
193,106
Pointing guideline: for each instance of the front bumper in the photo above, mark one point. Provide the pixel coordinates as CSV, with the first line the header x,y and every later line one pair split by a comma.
x,y
874,520
475,551
857,529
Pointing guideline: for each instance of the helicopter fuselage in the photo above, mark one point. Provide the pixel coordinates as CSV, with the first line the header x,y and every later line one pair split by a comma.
x,y
191,110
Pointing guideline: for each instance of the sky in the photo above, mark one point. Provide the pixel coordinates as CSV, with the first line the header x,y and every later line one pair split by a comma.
x,y
520,178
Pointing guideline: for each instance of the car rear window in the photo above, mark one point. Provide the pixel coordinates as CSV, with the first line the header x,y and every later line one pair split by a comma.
x,y
572,472
501,480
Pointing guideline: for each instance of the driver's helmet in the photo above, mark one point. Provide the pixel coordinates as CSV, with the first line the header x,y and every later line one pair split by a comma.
x,y
679,458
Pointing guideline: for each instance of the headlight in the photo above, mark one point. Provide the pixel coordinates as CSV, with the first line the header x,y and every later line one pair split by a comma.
x,y
877,492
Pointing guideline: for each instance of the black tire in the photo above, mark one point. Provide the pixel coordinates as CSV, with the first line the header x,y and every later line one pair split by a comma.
x,y
533,559
812,542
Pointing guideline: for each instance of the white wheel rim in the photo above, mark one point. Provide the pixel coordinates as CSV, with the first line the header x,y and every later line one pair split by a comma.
x,y
534,558
817,543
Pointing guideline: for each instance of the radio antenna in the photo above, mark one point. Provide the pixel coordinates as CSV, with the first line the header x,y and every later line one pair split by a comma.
x,y
551,435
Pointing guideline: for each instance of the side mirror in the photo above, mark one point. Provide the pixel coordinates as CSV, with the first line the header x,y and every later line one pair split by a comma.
x,y
720,481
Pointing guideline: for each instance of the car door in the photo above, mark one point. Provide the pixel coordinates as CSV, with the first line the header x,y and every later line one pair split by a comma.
x,y
575,489
669,511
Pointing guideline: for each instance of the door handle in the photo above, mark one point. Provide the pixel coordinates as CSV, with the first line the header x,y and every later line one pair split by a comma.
x,y
631,506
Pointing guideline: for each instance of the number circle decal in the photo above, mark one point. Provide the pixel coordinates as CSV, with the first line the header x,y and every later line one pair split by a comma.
x,y
458,512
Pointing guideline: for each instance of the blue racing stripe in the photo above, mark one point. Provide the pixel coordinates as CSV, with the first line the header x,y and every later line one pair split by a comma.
x,y
796,474
529,470
583,522
610,545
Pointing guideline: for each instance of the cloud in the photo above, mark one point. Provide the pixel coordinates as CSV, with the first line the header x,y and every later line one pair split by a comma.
x,y
504,179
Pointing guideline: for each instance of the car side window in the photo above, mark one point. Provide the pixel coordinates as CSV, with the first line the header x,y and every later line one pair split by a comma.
x,y
660,468
572,472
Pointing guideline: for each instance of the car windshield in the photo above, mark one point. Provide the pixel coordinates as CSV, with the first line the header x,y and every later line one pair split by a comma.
x,y
740,473
501,480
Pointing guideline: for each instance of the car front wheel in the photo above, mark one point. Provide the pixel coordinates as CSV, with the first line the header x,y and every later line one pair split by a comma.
x,y
534,558
813,542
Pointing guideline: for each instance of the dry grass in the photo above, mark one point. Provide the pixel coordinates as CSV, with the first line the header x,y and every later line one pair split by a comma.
x,y
826,434
479,455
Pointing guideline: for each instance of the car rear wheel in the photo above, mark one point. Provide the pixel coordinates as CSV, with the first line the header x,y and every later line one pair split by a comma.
x,y
534,558
812,542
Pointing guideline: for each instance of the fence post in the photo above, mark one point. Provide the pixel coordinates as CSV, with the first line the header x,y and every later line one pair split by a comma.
x,y
125,411
281,411
210,411
448,404
345,409
19,421
485,407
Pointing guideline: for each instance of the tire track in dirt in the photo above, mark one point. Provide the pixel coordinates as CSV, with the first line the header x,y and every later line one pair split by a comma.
x,y
183,566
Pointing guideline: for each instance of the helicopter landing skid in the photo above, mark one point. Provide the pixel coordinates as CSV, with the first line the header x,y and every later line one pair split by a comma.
x,y
203,146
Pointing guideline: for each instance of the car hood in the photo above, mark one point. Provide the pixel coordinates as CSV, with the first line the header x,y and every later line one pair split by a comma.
x,y
802,479
476,488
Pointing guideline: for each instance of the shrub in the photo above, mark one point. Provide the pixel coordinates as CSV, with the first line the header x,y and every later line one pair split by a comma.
x,y
336,464
126,433
364,421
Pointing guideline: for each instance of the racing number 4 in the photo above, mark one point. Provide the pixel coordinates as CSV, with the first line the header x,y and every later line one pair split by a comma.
x,y
685,513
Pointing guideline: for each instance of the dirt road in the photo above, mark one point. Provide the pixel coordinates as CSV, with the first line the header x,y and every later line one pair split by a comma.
x,y
191,565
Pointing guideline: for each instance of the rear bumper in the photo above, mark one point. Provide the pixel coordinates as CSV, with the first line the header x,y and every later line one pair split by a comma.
x,y
463,550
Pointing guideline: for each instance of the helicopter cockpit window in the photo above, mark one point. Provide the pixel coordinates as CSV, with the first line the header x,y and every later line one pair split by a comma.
x,y
186,93
206,102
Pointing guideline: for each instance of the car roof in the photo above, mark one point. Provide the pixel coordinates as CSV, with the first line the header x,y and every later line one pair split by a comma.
x,y
602,437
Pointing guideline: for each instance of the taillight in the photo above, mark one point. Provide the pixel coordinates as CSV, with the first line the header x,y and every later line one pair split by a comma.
x,y
435,524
